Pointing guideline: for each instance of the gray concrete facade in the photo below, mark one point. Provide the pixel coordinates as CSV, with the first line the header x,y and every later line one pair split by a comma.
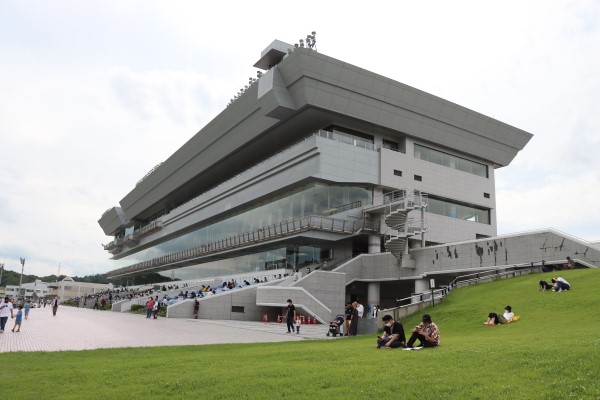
x,y
312,119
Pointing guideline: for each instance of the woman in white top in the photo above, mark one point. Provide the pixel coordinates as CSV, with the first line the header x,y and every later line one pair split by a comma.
x,y
508,314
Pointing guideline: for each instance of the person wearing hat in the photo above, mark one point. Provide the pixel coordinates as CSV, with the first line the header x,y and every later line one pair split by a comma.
x,y
6,309
427,332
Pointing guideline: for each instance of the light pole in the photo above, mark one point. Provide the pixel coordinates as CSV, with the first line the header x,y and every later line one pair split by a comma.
x,y
423,206
21,279
1,271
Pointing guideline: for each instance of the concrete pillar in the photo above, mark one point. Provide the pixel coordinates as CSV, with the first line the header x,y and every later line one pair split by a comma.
x,y
373,296
421,286
374,244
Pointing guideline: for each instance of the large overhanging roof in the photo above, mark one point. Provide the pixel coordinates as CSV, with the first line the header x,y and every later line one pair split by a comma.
x,y
267,115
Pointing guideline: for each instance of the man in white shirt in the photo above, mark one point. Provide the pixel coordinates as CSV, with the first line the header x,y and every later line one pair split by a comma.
x,y
6,309
361,309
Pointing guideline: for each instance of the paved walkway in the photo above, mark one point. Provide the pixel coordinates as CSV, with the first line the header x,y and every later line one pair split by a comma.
x,y
83,329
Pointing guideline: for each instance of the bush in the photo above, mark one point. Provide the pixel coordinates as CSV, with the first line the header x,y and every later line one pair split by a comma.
x,y
141,309
138,308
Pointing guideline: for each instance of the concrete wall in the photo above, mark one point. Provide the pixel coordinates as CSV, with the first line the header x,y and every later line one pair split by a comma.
x,y
525,248
374,267
220,306
444,182
305,302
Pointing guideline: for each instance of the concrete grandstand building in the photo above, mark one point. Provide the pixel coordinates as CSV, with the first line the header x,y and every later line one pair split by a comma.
x,y
374,185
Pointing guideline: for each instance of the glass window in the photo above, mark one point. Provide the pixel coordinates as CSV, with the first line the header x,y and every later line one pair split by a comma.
x,y
461,211
450,161
388,144
315,198
436,157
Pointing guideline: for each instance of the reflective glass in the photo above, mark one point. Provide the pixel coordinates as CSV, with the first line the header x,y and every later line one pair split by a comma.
x,y
311,199
451,161
460,211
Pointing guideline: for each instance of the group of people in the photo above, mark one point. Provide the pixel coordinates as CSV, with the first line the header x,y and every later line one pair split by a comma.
x,y
427,333
7,310
292,318
354,311
558,285
152,307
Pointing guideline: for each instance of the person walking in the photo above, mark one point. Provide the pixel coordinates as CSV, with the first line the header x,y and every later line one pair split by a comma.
x,y
290,316
27,308
6,309
18,320
196,308
54,306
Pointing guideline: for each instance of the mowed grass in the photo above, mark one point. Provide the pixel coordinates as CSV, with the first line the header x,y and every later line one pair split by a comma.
x,y
552,352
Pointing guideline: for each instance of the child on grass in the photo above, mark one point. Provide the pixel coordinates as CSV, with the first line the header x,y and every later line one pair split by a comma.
x,y
18,319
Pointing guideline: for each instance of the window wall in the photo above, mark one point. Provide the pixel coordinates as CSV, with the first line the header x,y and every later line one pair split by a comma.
x,y
457,210
450,161
290,257
311,199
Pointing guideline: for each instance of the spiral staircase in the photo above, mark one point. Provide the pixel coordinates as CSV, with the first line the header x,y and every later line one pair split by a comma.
x,y
400,226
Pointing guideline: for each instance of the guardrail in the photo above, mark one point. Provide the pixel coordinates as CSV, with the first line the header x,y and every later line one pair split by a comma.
x,y
248,238
417,301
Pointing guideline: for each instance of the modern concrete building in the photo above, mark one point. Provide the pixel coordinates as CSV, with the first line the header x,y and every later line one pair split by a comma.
x,y
321,164
68,288
33,289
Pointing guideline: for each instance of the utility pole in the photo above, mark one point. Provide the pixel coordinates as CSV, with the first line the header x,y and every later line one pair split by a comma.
x,y
21,279
1,272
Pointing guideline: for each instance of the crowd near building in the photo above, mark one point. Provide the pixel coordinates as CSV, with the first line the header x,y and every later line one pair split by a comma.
x,y
341,183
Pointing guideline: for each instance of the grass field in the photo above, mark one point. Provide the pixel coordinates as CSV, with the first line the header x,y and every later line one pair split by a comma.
x,y
553,352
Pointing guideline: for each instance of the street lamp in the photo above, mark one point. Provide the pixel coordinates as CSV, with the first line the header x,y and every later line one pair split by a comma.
x,y
21,279
1,271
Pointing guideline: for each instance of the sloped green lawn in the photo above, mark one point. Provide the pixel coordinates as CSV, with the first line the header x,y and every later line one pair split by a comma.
x,y
553,352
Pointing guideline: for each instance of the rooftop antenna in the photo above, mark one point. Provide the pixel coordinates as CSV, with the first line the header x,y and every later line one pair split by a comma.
x,y
311,40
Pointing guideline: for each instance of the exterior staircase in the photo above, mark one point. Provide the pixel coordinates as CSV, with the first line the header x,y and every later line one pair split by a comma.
x,y
400,226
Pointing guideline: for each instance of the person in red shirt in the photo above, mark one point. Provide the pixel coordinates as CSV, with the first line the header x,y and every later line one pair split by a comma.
x,y
149,307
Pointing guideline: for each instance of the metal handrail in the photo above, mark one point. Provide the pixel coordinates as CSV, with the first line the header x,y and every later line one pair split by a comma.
x,y
256,236
472,278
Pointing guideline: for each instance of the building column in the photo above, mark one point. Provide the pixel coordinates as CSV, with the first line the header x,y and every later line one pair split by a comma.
x,y
421,286
374,244
373,296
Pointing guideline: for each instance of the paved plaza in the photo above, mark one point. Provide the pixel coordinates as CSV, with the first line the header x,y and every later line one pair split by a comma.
x,y
84,329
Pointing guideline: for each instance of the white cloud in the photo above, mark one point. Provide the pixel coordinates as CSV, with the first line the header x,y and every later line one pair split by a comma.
x,y
94,97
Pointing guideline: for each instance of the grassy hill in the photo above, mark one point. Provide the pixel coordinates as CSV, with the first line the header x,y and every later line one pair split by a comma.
x,y
552,352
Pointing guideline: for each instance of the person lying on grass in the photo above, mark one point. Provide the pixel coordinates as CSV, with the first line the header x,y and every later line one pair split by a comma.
x,y
495,319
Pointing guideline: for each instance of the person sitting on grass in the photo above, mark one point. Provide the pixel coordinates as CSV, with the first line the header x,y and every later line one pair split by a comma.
x,y
508,314
427,332
543,286
393,334
560,284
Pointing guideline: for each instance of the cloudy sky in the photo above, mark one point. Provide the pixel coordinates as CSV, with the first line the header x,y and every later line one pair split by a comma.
x,y
94,94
